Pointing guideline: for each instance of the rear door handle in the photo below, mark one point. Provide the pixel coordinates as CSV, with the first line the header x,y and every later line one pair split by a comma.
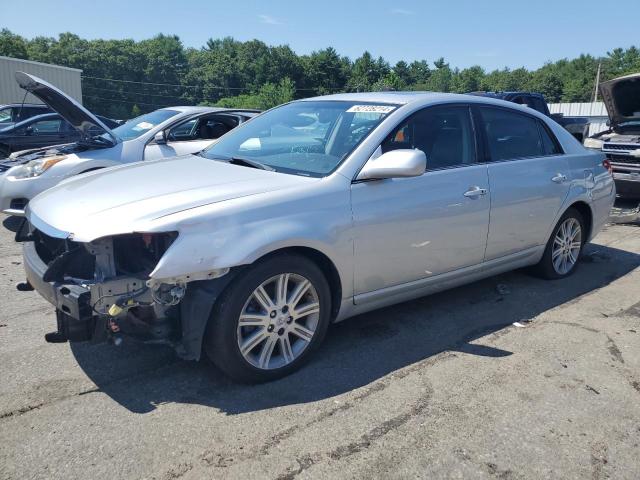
x,y
475,192
559,178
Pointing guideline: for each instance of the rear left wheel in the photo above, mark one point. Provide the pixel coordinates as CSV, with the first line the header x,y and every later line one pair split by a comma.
x,y
269,320
564,247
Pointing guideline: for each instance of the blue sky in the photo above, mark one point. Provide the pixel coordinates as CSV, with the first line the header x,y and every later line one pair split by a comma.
x,y
492,34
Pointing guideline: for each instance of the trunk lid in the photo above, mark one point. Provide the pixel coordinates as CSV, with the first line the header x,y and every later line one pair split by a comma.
x,y
79,117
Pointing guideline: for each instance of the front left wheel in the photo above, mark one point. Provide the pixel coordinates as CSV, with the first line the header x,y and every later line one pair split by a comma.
x,y
270,319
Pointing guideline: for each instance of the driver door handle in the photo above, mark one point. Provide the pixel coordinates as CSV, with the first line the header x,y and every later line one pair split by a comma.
x,y
475,192
559,178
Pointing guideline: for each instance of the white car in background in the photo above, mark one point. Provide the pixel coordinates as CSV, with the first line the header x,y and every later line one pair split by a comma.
x,y
166,132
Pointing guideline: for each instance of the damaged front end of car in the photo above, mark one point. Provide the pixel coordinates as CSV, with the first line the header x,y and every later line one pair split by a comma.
x,y
103,290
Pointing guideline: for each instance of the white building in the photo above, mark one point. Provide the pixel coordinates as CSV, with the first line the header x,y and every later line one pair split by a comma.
x,y
65,78
594,111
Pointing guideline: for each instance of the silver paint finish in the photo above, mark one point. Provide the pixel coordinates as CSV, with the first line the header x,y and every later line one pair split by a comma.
x,y
412,228
524,202
395,164
390,240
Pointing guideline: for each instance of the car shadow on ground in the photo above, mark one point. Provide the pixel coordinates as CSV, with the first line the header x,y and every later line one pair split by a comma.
x,y
356,352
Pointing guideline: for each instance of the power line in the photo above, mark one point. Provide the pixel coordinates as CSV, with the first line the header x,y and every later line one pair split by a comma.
x,y
164,84
124,92
309,89
127,101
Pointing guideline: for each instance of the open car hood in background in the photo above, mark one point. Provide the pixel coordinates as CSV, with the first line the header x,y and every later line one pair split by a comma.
x,y
621,96
79,117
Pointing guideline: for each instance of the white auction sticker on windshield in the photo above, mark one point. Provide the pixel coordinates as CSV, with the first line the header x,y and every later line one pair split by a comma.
x,y
371,109
143,126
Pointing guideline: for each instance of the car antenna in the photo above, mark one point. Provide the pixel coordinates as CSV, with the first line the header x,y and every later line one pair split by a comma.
x,y
22,105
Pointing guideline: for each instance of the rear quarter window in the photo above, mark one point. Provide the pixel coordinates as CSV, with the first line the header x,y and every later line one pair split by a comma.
x,y
549,141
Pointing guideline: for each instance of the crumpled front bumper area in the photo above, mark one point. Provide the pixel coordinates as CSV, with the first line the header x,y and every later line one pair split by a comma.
x,y
94,306
75,318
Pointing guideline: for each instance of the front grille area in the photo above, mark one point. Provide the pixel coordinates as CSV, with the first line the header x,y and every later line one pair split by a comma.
x,y
77,262
18,203
621,146
48,247
616,158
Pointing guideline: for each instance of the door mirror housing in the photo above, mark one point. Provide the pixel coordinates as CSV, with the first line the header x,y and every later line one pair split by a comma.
x,y
160,138
395,164
29,131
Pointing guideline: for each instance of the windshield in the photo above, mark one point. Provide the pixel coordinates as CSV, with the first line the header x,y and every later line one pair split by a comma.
x,y
304,138
139,125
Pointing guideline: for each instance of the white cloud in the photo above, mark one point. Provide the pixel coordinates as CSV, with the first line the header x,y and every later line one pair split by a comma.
x,y
269,20
401,11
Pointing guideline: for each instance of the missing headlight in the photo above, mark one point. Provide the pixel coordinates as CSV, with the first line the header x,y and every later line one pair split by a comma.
x,y
137,254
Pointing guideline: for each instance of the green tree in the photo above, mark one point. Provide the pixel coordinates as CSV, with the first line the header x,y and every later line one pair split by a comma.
x,y
12,45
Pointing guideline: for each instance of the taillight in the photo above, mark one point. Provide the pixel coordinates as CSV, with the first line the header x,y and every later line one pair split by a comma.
x,y
607,164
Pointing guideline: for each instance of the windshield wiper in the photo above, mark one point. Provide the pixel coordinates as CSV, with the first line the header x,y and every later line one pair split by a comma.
x,y
247,162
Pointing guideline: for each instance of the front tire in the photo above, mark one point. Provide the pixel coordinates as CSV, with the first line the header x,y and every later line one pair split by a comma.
x,y
269,320
563,249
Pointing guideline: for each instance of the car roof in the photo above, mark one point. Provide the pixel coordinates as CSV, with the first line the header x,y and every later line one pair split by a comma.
x,y
505,94
401,98
204,109
419,98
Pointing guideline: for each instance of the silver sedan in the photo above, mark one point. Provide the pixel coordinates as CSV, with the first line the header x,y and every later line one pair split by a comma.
x,y
311,213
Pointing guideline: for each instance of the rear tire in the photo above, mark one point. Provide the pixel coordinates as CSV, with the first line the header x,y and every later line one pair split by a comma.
x,y
269,320
564,248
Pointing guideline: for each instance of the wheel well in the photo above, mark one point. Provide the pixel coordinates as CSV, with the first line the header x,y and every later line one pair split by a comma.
x,y
587,215
328,269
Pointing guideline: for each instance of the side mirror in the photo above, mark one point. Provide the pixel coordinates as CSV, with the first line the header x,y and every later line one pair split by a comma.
x,y
159,138
395,164
29,131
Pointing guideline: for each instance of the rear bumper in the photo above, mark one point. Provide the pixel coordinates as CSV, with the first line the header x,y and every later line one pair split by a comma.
x,y
627,184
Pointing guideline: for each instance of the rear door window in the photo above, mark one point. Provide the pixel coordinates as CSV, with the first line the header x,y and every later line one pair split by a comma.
x,y
511,135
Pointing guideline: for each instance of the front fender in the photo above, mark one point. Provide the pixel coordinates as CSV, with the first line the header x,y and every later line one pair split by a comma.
x,y
241,231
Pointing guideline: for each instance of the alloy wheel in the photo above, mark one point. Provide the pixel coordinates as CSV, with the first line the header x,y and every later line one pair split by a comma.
x,y
566,246
278,321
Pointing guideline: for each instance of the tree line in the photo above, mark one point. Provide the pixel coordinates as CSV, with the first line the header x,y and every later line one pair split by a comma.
x,y
123,78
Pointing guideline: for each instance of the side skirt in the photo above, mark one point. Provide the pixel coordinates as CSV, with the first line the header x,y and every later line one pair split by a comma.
x,y
368,301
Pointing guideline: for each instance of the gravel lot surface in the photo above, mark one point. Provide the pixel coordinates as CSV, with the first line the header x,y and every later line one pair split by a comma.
x,y
445,386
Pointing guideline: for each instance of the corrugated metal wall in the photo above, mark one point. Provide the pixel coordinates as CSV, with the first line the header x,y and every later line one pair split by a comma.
x,y
66,79
595,111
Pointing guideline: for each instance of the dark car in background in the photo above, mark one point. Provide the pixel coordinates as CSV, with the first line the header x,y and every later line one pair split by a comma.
x,y
40,131
13,113
576,126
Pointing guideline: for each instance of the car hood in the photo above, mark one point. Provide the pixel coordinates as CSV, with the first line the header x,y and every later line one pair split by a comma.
x,y
621,96
79,117
130,198
25,156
